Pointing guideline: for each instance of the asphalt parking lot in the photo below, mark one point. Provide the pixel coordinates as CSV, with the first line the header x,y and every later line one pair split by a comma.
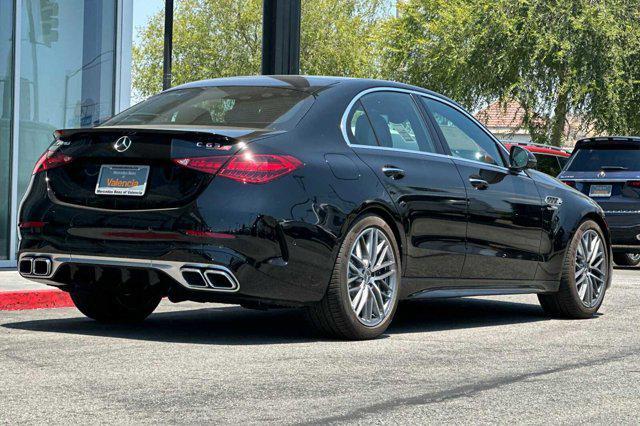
x,y
463,361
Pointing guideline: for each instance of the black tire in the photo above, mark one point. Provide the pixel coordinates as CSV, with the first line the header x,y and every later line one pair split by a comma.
x,y
626,259
110,307
566,303
333,316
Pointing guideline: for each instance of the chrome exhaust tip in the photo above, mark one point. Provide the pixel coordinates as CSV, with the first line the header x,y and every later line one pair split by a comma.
x,y
221,280
210,279
25,266
30,266
41,266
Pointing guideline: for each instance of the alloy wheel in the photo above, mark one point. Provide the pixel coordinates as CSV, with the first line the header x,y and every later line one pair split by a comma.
x,y
372,277
590,268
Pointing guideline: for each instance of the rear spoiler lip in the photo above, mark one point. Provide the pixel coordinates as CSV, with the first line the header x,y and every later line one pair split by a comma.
x,y
235,134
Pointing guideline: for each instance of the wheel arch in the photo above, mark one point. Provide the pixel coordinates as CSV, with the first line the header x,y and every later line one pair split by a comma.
x,y
386,214
601,222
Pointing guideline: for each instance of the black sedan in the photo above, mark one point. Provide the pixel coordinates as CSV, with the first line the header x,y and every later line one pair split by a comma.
x,y
341,196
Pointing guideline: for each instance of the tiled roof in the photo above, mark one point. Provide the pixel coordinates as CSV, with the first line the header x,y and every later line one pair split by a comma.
x,y
497,114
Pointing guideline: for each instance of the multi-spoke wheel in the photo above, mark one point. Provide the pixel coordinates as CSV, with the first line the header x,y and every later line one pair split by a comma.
x,y
363,293
371,277
585,275
626,259
590,272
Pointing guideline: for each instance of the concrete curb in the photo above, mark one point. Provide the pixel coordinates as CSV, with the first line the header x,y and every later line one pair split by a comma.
x,y
34,299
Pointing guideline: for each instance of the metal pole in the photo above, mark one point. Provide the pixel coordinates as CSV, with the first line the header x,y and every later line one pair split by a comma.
x,y
281,37
168,44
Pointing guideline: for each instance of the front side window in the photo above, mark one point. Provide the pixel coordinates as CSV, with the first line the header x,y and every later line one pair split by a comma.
x,y
465,138
396,121
235,106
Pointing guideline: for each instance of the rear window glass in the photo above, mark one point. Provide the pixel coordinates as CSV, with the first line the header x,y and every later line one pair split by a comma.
x,y
235,106
591,160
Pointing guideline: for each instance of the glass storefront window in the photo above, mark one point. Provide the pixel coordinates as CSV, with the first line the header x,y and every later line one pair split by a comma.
x,y
6,108
66,72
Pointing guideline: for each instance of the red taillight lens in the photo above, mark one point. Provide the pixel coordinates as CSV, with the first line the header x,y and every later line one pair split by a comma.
x,y
634,183
30,225
209,165
50,160
246,168
263,168
570,183
207,234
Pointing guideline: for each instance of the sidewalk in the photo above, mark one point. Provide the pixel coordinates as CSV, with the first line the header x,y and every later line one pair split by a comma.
x,y
10,280
17,293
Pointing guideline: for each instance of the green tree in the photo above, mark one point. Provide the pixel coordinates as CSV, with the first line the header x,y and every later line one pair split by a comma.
x,y
218,38
556,58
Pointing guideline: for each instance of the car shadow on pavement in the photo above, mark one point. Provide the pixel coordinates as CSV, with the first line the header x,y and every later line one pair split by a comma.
x,y
238,326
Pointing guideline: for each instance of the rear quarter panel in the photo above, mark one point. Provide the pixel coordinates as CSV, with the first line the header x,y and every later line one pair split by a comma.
x,y
560,225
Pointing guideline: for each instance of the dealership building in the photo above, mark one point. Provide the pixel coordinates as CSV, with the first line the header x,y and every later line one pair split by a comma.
x,y
62,64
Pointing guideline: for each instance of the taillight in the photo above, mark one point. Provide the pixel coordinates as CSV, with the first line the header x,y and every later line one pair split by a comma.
x,y
260,168
571,183
50,160
634,183
246,168
209,165
30,225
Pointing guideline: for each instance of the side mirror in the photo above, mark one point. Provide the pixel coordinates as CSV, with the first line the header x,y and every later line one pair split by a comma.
x,y
521,159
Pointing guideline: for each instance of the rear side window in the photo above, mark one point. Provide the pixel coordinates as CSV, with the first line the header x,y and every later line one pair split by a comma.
x,y
594,159
396,121
235,106
465,138
359,127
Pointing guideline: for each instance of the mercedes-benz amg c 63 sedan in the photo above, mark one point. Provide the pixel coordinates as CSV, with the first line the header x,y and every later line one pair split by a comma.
x,y
341,196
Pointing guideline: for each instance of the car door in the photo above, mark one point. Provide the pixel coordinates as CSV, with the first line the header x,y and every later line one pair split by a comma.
x,y
505,209
388,132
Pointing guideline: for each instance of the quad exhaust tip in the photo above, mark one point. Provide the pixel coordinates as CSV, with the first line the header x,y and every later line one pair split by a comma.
x,y
210,279
35,266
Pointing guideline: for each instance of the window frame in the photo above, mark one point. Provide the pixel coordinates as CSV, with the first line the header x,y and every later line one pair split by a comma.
x,y
430,124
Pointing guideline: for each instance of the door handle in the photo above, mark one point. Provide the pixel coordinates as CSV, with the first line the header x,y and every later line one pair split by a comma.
x,y
393,172
480,184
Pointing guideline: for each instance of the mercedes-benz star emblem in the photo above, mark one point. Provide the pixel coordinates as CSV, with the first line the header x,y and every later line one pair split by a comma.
x,y
122,144
601,174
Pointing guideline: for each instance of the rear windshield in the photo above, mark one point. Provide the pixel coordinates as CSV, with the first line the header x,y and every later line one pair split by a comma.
x,y
594,159
235,106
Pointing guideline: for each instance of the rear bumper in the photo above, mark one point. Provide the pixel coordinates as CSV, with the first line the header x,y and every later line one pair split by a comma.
x,y
179,272
625,232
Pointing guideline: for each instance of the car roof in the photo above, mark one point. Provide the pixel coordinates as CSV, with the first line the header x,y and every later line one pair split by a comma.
x,y
308,83
608,141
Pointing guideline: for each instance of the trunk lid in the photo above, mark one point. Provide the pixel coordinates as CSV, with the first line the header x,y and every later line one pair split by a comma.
x,y
154,149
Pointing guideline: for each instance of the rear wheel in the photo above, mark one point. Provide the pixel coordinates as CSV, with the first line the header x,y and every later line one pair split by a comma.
x,y
105,306
362,296
626,259
585,276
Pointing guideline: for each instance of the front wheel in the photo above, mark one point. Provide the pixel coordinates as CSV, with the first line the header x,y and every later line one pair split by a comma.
x,y
585,275
626,259
362,296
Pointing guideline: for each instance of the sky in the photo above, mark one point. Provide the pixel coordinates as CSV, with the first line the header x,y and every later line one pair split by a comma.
x,y
142,11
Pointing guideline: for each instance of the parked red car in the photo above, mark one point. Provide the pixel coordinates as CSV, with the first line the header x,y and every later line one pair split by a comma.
x,y
551,159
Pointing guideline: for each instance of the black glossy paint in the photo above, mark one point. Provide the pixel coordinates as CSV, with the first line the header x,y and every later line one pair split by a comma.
x,y
281,239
